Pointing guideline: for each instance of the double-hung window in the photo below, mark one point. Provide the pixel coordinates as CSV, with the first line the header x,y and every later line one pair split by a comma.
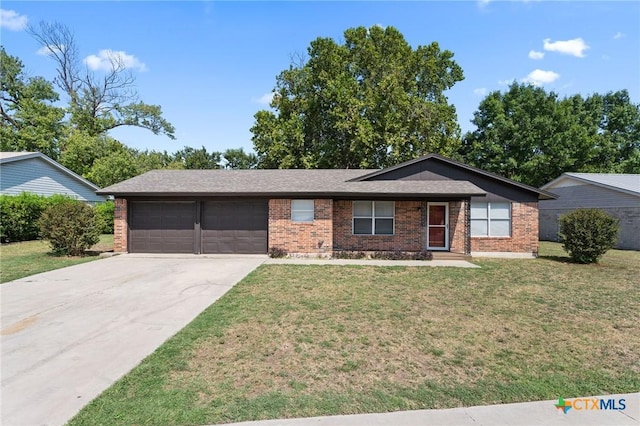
x,y
490,219
373,217
302,210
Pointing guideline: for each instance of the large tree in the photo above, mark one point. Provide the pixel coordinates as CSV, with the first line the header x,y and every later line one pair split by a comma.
x,y
236,158
98,102
193,158
29,121
372,101
533,136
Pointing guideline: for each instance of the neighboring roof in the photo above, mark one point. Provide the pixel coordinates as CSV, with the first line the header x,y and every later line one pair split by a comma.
x,y
295,182
9,157
15,155
543,195
627,183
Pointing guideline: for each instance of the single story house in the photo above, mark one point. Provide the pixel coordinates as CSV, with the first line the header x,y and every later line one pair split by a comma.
x,y
429,203
616,194
36,173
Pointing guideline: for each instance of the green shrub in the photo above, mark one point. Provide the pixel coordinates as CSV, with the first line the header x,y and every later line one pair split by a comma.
x,y
587,234
19,215
70,227
104,215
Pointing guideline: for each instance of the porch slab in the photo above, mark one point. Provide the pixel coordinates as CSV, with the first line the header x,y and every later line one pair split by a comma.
x,y
371,262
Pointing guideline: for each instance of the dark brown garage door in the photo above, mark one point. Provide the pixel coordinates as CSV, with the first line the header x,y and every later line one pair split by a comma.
x,y
162,227
234,226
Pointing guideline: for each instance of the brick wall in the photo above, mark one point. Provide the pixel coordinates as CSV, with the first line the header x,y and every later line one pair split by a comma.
x,y
457,226
524,232
299,237
409,229
120,226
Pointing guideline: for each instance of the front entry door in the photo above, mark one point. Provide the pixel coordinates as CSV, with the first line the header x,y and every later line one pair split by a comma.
x,y
437,226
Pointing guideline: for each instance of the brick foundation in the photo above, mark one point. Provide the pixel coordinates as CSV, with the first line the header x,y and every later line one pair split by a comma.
x,y
299,237
524,233
120,226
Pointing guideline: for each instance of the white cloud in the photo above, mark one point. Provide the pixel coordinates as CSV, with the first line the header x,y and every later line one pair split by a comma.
x,y
46,50
12,20
539,77
483,3
533,54
264,99
106,59
574,47
481,91
506,82
618,35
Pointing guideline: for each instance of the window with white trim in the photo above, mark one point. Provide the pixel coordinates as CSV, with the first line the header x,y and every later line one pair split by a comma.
x,y
373,217
302,210
490,219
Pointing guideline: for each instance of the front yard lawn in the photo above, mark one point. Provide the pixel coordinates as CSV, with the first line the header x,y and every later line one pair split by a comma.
x,y
294,341
18,260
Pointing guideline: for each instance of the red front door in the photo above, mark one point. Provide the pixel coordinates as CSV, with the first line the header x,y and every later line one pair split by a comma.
x,y
438,226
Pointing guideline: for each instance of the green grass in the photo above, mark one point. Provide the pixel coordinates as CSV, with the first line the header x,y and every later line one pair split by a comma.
x,y
293,341
19,260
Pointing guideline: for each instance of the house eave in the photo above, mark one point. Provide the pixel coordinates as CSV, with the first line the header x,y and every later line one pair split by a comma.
x,y
338,195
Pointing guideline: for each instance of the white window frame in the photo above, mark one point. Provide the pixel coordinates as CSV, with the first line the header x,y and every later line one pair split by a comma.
x,y
489,219
373,218
302,209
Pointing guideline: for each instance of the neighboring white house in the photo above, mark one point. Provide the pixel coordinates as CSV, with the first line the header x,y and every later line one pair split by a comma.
x,y
36,173
616,194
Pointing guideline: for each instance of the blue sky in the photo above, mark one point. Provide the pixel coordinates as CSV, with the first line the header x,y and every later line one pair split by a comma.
x,y
212,65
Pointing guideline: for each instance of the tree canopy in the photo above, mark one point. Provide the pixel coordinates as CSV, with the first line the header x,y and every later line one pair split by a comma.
x,y
29,121
370,102
532,136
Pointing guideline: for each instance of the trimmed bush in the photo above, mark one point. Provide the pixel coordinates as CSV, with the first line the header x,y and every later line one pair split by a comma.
x,y
104,215
70,227
587,234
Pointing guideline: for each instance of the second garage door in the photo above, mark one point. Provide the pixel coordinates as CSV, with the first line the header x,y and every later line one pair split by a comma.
x,y
239,226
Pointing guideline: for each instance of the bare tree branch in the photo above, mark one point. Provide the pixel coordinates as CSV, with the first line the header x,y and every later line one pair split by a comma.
x,y
98,101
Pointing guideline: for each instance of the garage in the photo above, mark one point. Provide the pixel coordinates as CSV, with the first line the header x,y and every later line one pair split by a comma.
x,y
211,226
235,226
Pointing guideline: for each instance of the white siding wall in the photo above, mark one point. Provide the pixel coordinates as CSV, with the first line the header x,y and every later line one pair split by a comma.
x,y
625,207
39,177
588,196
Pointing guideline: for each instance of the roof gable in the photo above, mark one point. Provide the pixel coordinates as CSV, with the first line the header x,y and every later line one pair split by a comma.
x,y
13,157
391,171
621,182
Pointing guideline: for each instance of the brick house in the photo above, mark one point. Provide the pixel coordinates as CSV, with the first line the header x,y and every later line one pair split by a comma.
x,y
430,203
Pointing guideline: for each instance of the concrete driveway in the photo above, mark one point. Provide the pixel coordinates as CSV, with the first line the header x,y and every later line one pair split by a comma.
x,y
68,334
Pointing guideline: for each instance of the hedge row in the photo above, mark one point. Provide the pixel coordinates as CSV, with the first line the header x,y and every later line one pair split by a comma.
x,y
19,215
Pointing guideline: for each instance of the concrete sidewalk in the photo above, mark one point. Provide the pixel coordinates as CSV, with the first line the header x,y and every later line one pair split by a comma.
x,y
521,414
370,262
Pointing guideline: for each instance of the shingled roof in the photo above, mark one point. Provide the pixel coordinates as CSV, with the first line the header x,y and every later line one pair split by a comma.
x,y
623,182
278,183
